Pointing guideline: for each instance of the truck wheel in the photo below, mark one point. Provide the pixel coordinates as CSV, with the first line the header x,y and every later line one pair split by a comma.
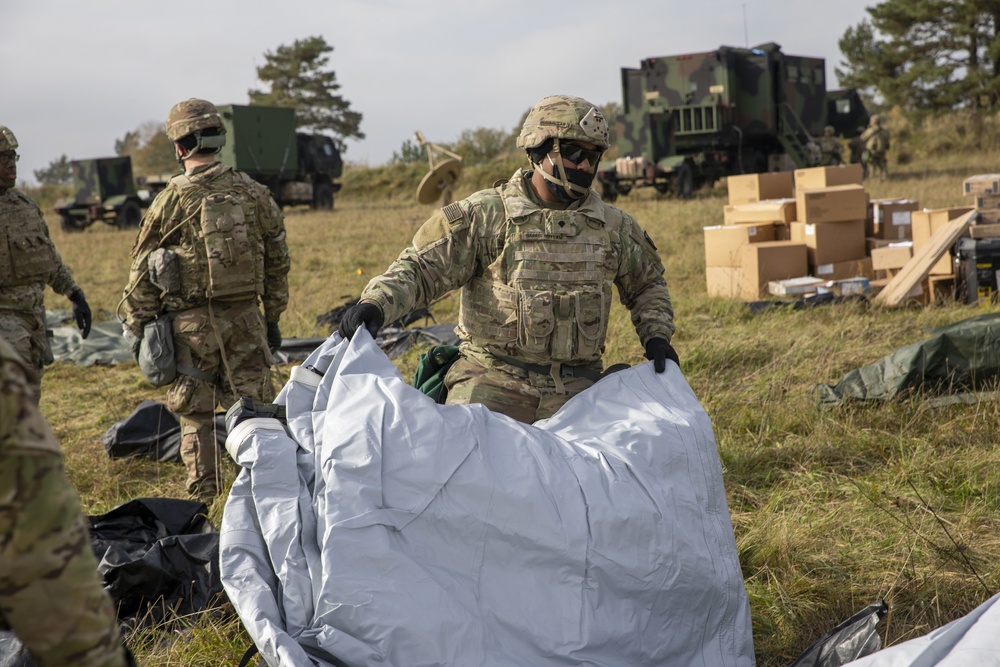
x,y
70,224
129,216
323,197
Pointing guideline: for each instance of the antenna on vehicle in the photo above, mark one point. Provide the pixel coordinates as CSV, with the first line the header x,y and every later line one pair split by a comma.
x,y
440,180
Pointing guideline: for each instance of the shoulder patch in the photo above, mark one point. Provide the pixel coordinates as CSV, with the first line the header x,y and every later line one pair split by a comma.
x,y
453,212
649,240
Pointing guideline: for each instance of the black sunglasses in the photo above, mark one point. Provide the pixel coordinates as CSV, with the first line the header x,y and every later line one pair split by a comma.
x,y
576,153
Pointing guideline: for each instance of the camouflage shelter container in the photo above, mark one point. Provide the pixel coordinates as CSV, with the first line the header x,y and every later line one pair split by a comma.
x,y
697,117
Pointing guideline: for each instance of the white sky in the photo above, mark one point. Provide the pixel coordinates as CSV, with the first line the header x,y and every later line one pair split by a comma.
x,y
75,75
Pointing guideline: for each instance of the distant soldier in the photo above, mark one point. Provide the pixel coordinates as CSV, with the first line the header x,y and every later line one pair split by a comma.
x,y
831,152
210,253
857,147
50,593
28,262
537,258
876,142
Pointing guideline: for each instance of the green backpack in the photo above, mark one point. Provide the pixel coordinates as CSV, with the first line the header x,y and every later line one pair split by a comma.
x,y
433,366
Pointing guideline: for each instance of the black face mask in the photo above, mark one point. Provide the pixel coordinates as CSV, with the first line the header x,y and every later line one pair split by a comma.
x,y
575,176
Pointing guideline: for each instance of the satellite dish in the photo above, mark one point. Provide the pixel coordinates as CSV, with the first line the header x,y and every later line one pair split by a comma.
x,y
439,182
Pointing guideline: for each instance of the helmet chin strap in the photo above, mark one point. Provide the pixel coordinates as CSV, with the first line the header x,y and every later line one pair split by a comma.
x,y
560,178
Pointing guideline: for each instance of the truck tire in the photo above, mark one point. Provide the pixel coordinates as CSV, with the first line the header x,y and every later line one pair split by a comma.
x,y
323,197
70,224
129,216
684,181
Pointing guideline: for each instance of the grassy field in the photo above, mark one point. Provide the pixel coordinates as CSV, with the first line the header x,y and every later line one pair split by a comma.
x,y
832,509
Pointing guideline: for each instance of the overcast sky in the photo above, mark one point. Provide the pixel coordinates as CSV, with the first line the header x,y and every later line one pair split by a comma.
x,y
75,75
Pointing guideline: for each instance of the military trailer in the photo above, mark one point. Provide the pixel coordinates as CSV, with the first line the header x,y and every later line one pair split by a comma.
x,y
104,190
691,119
298,168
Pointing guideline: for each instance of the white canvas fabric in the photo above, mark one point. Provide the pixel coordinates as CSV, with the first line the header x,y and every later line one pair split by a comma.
x,y
379,528
970,641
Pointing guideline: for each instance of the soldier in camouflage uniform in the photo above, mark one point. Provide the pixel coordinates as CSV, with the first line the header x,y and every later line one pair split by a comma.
x,y
831,152
876,142
50,593
857,147
210,252
28,262
536,258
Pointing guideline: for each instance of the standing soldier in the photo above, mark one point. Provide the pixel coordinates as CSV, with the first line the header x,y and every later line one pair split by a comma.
x,y
536,258
50,593
876,141
29,262
830,148
857,147
210,252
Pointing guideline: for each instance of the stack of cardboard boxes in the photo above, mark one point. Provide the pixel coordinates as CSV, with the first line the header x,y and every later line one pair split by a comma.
x,y
814,229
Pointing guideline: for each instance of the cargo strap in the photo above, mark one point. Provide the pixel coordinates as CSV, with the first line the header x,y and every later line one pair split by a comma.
x,y
564,370
184,369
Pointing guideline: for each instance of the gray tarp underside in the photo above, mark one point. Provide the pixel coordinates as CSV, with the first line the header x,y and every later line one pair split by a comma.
x,y
960,357
381,528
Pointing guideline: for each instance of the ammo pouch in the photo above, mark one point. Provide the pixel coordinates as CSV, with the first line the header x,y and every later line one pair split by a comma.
x,y
156,354
164,270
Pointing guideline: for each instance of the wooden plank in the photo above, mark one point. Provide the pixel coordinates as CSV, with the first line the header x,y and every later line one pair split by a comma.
x,y
917,268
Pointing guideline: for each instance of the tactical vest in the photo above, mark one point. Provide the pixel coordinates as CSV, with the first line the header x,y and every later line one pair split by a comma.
x,y
25,249
547,295
223,259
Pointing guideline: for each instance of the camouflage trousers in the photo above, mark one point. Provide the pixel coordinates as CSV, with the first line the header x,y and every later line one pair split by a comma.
x,y
50,592
522,395
876,164
227,341
25,331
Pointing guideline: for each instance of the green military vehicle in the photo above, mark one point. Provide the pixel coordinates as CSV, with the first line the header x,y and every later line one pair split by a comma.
x,y
104,190
297,167
689,120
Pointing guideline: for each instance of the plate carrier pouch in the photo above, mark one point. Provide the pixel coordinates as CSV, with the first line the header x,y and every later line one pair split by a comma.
x,y
25,251
156,353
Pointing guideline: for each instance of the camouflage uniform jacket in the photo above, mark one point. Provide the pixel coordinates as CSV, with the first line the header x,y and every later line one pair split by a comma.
x,y
876,139
29,259
536,281
173,221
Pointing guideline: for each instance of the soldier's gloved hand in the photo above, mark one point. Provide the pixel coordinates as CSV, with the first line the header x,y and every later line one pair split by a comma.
x,y
273,336
658,351
363,314
81,311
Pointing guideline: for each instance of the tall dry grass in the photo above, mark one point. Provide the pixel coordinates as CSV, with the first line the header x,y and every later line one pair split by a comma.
x,y
832,509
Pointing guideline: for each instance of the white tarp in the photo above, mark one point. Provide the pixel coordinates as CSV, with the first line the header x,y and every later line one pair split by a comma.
x,y
383,529
970,641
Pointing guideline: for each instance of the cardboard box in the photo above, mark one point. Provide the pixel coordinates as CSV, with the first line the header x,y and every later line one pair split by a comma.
x,y
771,260
825,177
894,256
782,232
852,268
839,203
981,184
878,243
789,286
890,219
768,210
989,216
987,202
928,221
830,242
724,281
988,231
724,243
750,188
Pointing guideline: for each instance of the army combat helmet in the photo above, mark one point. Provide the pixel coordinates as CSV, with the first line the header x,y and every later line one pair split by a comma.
x,y
8,142
191,118
564,119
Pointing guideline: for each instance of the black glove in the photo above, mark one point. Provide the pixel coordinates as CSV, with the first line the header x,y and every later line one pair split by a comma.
x,y
367,314
273,336
658,351
81,311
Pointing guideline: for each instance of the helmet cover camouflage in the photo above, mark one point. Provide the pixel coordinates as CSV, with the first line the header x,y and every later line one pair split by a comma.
x,y
7,140
564,117
875,120
190,116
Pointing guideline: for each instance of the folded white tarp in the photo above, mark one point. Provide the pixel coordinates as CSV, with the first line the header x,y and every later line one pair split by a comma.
x,y
379,528
970,641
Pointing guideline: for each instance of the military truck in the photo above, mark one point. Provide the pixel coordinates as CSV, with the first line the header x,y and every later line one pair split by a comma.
x,y
104,190
691,119
297,167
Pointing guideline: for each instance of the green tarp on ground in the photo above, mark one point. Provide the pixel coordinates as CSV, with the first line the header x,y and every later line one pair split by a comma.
x,y
960,357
